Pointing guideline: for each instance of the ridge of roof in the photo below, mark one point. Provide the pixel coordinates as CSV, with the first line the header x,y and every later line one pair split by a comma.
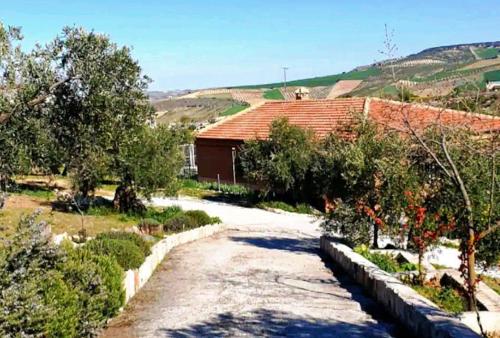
x,y
433,108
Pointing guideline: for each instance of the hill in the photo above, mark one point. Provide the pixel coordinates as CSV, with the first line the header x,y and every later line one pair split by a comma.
x,y
431,72
195,109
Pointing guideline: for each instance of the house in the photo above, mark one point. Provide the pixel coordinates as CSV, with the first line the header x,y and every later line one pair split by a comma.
x,y
217,145
493,85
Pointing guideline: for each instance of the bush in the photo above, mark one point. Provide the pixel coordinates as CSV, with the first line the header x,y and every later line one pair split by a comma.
x,y
128,236
199,217
127,253
65,307
150,226
98,281
179,223
352,225
161,216
55,291
189,220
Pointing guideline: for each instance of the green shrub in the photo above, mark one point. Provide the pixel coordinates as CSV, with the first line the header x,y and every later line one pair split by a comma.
x,y
199,217
50,291
189,220
384,261
128,236
179,223
301,208
127,253
352,225
161,216
98,280
65,307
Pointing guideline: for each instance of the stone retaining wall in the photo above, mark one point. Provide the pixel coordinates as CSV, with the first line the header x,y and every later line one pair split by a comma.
x,y
421,317
135,279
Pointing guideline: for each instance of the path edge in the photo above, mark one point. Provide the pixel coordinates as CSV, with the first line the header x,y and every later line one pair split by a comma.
x,y
418,314
135,279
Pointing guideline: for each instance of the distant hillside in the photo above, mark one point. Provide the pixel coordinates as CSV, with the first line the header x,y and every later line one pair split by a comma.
x,y
432,72
195,109
155,95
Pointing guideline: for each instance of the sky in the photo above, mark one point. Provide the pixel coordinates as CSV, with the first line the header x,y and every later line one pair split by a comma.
x,y
198,44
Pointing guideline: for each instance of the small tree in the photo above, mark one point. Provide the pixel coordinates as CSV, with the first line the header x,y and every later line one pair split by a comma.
x,y
147,161
425,228
280,163
458,167
368,172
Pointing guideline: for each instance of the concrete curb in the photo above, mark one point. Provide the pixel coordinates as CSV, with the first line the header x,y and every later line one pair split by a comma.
x,y
421,317
135,279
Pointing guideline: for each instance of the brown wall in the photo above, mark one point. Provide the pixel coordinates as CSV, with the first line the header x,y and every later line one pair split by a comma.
x,y
213,156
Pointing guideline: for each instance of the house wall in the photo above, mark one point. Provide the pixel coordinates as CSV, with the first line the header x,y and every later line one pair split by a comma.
x,y
214,156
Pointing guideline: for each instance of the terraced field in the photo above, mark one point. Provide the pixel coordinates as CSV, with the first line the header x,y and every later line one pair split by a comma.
x,y
193,109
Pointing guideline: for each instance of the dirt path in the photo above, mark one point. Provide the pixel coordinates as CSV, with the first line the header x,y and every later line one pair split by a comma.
x,y
265,277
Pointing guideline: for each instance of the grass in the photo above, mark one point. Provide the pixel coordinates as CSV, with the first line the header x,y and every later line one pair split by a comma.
x,y
234,109
65,222
322,80
273,94
493,283
229,189
299,208
446,298
487,53
384,261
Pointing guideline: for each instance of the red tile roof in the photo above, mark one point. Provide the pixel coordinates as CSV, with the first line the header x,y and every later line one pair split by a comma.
x,y
396,115
326,116
322,116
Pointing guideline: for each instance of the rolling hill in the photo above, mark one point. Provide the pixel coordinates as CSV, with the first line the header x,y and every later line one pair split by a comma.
x,y
433,71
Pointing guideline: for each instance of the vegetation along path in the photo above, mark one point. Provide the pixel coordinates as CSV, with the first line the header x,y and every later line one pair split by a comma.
x,y
263,277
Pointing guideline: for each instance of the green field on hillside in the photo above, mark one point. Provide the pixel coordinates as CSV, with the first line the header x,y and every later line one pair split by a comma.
x,y
492,76
487,53
273,94
234,109
322,80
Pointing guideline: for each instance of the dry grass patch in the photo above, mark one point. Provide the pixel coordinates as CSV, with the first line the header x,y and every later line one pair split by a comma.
x,y
19,205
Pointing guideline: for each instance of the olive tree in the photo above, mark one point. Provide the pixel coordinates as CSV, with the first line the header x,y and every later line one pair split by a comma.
x,y
280,163
149,160
102,104
368,172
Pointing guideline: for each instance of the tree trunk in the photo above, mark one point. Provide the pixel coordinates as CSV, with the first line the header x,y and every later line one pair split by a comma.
x,y
375,236
471,271
126,200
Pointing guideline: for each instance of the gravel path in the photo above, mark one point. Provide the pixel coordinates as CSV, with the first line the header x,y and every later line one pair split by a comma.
x,y
264,277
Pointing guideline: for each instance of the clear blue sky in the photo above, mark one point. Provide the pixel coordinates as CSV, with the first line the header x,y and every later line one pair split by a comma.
x,y
196,44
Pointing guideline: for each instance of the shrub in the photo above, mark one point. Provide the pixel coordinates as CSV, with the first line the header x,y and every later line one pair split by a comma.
x,y
55,291
128,236
384,261
98,281
352,225
189,220
179,223
199,217
161,216
127,253
150,226
65,307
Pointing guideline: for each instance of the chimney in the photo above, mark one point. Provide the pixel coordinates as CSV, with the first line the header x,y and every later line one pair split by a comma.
x,y
301,93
